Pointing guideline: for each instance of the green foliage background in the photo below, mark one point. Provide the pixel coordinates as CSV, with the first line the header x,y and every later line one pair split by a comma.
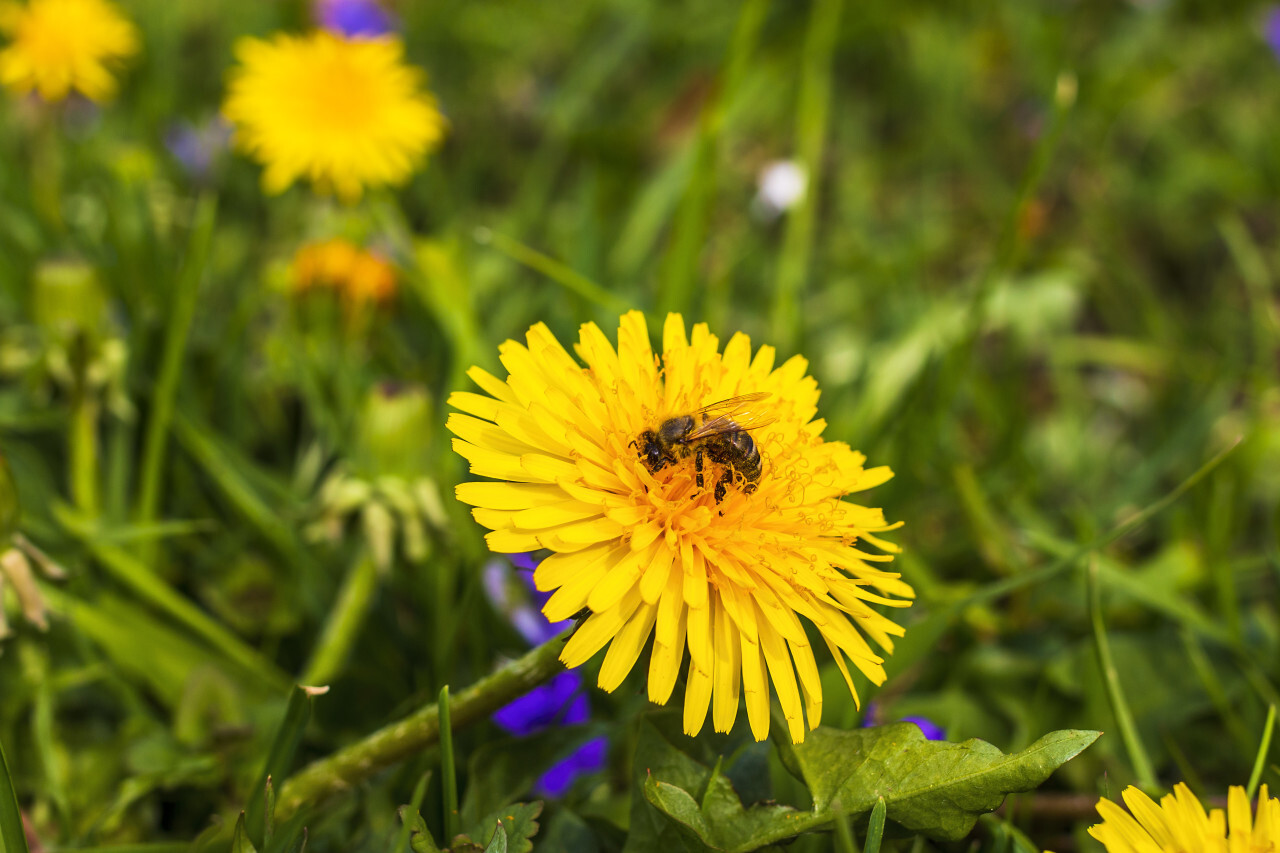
x,y
1035,274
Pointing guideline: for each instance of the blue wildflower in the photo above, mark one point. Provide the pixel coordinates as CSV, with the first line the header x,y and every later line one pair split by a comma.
x,y
932,731
197,147
559,778
1271,29
353,18
561,701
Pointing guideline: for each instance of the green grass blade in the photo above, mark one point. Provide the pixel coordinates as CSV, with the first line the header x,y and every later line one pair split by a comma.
x,y
1115,691
283,748
345,620
448,777
181,315
133,574
875,828
11,831
811,130
560,273
678,280
1260,761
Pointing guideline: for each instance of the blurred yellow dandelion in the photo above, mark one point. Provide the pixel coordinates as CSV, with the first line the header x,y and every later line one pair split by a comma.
x,y
1179,823
359,276
59,45
346,113
725,568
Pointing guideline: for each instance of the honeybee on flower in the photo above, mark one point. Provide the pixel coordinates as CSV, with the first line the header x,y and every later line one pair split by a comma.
x,y
599,464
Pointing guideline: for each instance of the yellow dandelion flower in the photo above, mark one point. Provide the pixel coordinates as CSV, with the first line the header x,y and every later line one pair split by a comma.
x,y
651,552
1179,824
372,280
59,45
344,112
361,276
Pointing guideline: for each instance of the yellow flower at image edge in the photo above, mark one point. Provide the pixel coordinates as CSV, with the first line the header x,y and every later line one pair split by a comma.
x,y
59,45
650,553
1179,823
346,113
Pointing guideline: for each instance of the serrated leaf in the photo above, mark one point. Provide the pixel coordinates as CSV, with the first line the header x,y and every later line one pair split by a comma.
x,y
517,824
721,822
931,787
420,840
498,844
656,758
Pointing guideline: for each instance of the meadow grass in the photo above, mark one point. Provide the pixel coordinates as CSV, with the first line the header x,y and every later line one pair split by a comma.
x,y
1033,271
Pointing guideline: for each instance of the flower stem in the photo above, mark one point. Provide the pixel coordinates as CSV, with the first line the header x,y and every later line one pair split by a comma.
x,y
345,619
83,449
348,767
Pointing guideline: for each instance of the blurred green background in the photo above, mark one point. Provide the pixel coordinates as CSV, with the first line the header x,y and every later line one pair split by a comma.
x,y
1033,271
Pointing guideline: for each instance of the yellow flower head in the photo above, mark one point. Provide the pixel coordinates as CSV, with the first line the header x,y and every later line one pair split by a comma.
x,y
344,112
59,45
650,551
1179,824
360,276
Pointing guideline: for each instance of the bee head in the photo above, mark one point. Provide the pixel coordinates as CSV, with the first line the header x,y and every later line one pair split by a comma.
x,y
650,449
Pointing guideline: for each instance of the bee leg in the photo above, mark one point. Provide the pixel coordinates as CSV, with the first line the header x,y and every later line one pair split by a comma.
x,y
720,487
697,466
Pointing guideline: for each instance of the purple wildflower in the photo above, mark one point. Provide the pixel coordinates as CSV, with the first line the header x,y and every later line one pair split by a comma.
x,y
1271,29
932,731
559,778
559,702
352,18
519,600
198,146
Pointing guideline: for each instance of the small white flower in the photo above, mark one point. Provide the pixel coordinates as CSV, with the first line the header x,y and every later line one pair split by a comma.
x,y
782,185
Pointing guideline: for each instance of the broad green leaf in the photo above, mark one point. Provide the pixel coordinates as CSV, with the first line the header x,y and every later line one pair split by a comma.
x,y
498,844
931,787
721,822
514,825
656,758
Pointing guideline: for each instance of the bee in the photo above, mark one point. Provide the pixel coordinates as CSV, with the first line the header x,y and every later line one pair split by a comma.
x,y
719,432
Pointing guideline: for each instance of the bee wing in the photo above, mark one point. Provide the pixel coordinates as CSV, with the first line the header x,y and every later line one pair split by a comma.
x,y
731,406
724,424
736,414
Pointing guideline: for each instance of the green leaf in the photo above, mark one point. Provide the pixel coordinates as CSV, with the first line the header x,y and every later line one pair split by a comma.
x,y
498,844
516,824
657,758
419,793
283,748
420,840
721,822
931,787
12,834
240,842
